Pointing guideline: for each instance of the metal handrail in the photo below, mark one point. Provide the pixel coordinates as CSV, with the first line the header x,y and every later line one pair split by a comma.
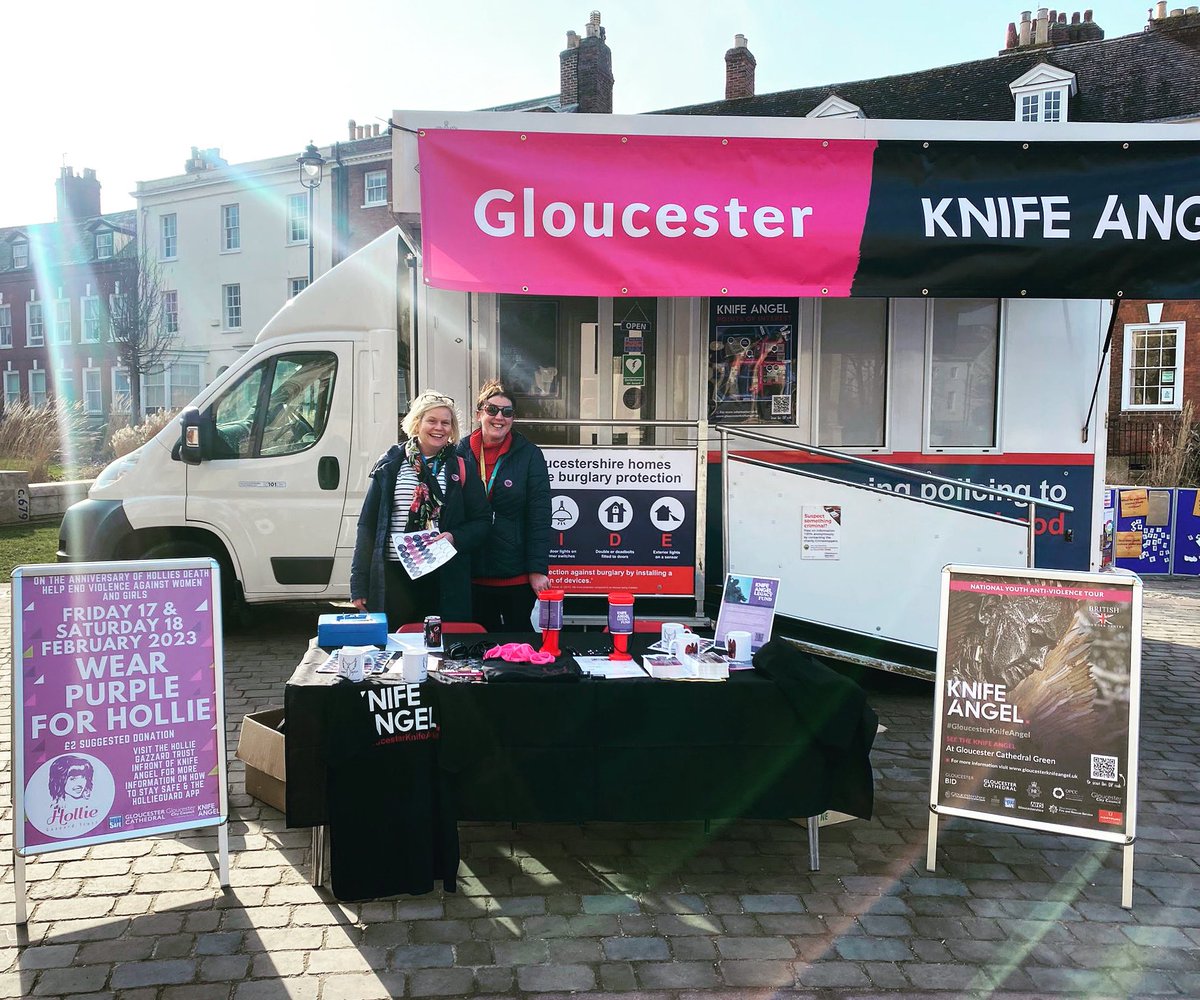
x,y
927,476
599,422
726,432
808,474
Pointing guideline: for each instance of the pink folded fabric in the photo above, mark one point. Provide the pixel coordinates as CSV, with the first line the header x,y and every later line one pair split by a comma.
x,y
518,652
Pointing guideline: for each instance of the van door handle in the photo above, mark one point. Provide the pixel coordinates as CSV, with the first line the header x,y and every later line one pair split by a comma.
x,y
329,473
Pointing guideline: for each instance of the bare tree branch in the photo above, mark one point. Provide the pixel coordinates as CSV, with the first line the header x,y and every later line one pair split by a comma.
x,y
138,323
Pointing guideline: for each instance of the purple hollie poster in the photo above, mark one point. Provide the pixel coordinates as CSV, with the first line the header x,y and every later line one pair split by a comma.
x,y
119,711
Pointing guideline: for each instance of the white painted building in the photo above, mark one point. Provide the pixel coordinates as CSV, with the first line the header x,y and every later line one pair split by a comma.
x,y
232,241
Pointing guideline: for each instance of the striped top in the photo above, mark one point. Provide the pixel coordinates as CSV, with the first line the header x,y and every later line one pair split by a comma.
x,y
402,498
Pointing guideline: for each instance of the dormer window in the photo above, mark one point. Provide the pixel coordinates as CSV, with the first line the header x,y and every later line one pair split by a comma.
x,y
104,245
20,255
1042,94
834,107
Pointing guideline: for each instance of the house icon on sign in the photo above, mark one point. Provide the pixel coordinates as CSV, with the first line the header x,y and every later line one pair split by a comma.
x,y
615,512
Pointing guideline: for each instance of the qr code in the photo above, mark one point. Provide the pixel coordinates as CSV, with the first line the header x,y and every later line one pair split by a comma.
x,y
781,406
1104,768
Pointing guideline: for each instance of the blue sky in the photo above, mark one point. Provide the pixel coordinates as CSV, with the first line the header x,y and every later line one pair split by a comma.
x,y
128,87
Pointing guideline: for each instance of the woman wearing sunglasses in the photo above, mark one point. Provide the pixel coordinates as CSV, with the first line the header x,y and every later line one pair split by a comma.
x,y
509,569
417,486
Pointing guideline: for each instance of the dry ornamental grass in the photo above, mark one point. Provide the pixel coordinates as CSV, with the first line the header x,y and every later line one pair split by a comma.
x,y
31,437
1175,452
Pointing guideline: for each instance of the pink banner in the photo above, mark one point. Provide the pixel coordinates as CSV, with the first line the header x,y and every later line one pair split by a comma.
x,y
120,726
556,214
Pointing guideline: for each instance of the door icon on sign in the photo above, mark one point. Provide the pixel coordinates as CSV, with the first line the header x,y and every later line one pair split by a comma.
x,y
615,513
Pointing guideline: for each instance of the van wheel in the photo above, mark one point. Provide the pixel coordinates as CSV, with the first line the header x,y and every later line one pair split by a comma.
x,y
234,611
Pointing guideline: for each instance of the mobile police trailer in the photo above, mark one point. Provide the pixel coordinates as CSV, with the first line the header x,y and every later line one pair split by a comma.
x,y
841,353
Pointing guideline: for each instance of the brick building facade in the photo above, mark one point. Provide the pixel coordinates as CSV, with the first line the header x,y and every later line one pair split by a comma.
x,y
57,283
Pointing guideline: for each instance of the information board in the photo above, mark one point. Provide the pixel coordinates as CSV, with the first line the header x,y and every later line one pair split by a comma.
x,y
1185,548
1142,529
623,519
118,695
1036,710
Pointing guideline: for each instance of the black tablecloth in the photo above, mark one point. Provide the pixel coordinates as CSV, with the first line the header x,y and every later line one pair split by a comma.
x,y
632,750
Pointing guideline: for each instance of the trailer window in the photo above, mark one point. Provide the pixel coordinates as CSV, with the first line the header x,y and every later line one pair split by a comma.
x,y
852,373
963,355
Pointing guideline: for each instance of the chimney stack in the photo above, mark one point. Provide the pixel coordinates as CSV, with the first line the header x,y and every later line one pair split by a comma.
x,y
77,198
1041,34
739,70
1050,28
585,70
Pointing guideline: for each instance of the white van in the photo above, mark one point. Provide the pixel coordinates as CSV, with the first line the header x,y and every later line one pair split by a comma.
x,y
269,474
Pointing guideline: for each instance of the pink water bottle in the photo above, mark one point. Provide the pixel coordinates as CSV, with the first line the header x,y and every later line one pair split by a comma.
x,y
620,624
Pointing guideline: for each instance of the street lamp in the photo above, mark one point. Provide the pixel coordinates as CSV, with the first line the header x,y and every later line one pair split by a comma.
x,y
312,169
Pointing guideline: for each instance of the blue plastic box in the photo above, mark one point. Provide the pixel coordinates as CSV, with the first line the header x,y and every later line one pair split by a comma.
x,y
359,628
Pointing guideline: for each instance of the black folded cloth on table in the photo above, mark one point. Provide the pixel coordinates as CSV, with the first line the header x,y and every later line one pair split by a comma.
x,y
829,706
562,669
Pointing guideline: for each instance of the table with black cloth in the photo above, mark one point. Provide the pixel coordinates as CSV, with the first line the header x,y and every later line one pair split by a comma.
x,y
790,738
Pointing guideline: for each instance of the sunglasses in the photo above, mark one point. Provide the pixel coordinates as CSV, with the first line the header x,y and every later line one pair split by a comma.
x,y
491,409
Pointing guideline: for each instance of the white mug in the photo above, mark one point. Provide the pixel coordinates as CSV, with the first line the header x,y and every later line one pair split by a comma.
x,y
352,662
738,646
669,631
414,666
684,644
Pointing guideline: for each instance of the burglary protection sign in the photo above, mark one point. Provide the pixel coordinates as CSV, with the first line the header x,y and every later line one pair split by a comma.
x,y
119,716
623,519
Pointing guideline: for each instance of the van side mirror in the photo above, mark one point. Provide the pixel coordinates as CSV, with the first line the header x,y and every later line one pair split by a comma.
x,y
191,448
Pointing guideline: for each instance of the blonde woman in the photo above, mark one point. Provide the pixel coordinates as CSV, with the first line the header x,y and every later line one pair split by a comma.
x,y
417,486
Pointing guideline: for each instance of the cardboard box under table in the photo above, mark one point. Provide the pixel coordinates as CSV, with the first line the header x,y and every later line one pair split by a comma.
x,y
261,747
627,750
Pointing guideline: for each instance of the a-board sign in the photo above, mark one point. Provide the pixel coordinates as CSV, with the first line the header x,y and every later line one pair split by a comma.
x,y
118,702
623,519
1036,710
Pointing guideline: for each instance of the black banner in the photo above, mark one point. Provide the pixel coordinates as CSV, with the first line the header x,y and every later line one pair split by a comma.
x,y
1044,220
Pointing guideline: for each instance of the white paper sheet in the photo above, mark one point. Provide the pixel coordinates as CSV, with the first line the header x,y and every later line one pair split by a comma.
x,y
602,666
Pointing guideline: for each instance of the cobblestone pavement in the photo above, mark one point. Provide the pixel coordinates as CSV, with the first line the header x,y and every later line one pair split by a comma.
x,y
657,911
